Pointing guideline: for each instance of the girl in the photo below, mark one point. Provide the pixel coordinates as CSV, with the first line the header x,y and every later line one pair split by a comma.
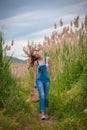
x,y
41,66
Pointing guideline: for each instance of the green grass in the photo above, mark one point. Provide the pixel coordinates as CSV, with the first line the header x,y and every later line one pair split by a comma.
x,y
67,98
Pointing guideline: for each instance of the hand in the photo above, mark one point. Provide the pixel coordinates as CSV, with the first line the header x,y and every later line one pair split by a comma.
x,y
34,85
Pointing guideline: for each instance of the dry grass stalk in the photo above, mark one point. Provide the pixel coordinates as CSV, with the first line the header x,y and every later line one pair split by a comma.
x,y
56,40
76,22
85,23
55,26
61,22
71,24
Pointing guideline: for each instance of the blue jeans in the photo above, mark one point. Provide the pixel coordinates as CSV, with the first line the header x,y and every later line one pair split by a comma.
x,y
43,88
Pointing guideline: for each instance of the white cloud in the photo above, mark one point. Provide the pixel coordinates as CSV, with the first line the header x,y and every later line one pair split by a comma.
x,y
35,24
17,49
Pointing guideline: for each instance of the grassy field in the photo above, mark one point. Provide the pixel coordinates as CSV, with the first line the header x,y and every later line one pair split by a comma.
x,y
19,70
67,98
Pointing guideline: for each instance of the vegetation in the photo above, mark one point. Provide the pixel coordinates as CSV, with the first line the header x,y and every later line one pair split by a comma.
x,y
12,104
68,97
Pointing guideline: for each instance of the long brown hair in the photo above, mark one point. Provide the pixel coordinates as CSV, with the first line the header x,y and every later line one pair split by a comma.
x,y
29,50
32,59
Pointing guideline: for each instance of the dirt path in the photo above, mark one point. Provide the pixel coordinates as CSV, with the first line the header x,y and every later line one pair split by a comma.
x,y
37,124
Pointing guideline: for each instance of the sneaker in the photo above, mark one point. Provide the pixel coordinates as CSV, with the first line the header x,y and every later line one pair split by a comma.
x,y
43,117
46,117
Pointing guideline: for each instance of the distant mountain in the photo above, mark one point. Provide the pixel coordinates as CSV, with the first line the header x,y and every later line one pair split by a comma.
x,y
15,60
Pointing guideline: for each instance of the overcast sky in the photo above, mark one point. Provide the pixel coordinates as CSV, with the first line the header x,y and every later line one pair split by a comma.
x,y
33,19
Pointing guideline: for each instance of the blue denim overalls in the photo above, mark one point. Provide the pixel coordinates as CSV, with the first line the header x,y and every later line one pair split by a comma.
x,y
43,84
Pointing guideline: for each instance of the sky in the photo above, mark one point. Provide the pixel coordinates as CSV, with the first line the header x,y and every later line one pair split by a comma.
x,y
23,20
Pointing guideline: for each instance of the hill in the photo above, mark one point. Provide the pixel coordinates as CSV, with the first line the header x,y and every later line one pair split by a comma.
x,y
15,60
